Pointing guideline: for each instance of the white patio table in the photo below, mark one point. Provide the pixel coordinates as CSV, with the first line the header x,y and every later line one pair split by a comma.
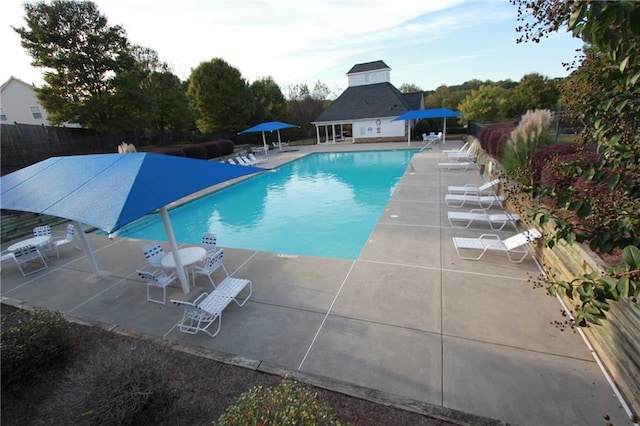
x,y
188,256
33,241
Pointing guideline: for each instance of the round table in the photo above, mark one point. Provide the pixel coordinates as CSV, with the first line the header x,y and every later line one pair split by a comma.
x,y
188,256
33,241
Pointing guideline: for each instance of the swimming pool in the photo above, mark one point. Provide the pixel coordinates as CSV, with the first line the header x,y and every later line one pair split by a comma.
x,y
324,204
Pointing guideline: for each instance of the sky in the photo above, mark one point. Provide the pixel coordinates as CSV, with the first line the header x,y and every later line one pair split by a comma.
x,y
427,43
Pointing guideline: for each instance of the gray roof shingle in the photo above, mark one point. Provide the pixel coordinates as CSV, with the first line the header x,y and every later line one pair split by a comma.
x,y
368,101
368,66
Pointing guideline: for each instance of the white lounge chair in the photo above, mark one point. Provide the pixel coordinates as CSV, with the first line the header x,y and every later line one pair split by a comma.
x,y
484,189
280,145
203,312
27,256
484,201
495,221
230,161
491,242
457,165
461,149
248,161
255,159
159,280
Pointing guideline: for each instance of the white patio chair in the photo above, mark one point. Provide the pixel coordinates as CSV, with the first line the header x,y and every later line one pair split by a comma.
x,y
211,263
159,280
58,242
203,312
5,255
43,231
230,161
469,189
210,243
27,256
154,254
495,221
492,242
484,201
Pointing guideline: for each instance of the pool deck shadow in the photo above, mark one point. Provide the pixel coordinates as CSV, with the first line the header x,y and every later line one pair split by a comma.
x,y
407,323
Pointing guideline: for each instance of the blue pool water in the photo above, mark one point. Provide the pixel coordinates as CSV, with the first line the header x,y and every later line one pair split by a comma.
x,y
324,204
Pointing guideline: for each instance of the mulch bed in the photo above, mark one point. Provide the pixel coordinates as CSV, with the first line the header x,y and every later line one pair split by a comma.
x,y
203,390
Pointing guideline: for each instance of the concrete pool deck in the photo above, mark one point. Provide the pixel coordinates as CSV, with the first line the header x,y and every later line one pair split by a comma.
x,y
408,321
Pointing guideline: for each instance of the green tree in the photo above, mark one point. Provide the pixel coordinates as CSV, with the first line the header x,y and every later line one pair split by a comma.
x,y
486,104
270,104
81,54
607,101
409,88
534,91
220,97
304,105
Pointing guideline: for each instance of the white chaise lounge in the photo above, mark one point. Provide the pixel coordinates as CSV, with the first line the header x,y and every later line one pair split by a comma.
x,y
516,245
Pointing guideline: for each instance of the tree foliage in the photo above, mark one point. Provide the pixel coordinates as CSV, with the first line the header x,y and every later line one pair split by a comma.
x,y
485,104
604,94
409,88
269,102
81,54
534,91
304,105
220,97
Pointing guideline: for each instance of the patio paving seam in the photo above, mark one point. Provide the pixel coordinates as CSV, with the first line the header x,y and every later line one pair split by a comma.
x,y
101,292
519,348
327,314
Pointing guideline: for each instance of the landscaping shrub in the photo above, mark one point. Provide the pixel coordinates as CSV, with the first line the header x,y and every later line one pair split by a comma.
x,y
226,146
119,385
486,131
545,154
195,151
175,150
213,149
31,341
558,172
496,140
532,132
286,404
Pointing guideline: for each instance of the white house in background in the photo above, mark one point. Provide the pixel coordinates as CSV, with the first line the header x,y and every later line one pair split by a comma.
x,y
18,104
367,107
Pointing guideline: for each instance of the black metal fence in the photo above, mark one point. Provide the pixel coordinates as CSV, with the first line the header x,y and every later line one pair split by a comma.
x,y
474,128
24,144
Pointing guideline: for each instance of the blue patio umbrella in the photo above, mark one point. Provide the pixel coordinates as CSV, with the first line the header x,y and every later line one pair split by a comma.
x,y
268,126
109,191
418,114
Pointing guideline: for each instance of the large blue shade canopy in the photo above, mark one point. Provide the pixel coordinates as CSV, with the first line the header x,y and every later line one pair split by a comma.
x,y
109,191
418,114
268,126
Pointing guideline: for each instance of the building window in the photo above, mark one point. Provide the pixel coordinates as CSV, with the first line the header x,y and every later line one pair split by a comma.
x,y
3,116
35,111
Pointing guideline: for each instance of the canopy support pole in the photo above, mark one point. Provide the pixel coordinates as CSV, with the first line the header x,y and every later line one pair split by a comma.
x,y
264,143
444,131
87,248
174,249
408,132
